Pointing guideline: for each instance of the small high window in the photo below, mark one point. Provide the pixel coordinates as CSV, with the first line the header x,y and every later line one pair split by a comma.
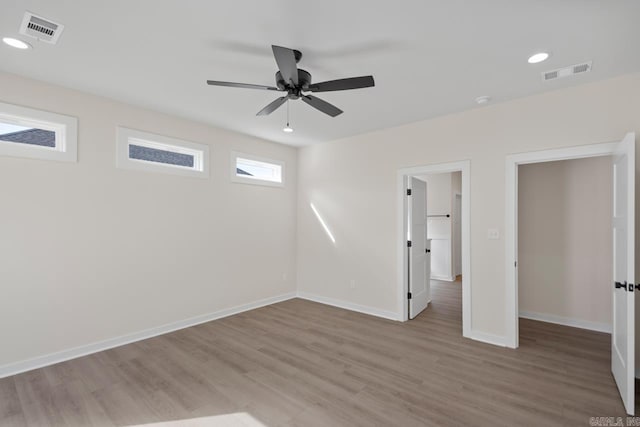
x,y
25,132
256,170
145,151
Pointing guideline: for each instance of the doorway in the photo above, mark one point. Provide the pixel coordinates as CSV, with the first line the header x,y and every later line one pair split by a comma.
x,y
565,255
623,242
404,231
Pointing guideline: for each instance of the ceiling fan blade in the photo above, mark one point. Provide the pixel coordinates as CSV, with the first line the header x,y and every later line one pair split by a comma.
x,y
272,107
286,60
321,105
343,84
241,85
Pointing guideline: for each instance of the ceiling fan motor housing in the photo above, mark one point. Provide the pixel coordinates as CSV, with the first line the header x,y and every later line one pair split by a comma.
x,y
304,80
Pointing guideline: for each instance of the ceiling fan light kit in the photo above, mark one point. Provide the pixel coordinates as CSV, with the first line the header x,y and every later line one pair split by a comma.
x,y
297,84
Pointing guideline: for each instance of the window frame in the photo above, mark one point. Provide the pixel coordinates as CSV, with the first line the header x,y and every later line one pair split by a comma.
x,y
65,128
256,181
126,136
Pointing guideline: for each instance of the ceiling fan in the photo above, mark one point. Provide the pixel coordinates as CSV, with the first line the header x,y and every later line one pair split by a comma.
x,y
296,82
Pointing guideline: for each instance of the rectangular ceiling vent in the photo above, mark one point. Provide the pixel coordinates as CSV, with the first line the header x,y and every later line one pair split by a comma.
x,y
567,71
40,28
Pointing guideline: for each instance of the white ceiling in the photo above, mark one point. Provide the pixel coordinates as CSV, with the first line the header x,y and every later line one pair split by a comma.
x,y
428,58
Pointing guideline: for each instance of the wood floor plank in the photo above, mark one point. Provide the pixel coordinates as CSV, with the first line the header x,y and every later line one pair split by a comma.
x,y
299,363
10,407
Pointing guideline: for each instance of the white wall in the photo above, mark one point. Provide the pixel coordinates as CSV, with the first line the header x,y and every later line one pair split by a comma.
x,y
89,252
353,182
564,241
438,193
456,183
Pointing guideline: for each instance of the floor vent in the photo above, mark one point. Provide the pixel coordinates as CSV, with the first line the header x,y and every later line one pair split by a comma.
x,y
40,28
567,71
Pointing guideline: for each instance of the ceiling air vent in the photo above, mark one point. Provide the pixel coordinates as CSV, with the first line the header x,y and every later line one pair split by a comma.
x,y
567,71
582,68
40,28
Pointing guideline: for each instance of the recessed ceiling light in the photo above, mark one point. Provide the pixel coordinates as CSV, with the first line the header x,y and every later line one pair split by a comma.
x,y
538,57
18,44
483,99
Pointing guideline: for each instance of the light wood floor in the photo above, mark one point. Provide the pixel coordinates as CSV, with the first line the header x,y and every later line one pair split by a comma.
x,y
305,364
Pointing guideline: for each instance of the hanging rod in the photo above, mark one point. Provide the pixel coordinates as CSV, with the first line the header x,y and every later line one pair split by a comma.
x,y
432,216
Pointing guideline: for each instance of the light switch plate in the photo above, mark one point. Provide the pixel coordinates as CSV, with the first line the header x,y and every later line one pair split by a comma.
x,y
493,234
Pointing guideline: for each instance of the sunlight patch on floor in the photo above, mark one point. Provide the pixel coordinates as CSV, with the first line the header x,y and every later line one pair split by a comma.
x,y
238,419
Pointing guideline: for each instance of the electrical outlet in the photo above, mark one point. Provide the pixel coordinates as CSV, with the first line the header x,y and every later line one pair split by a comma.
x,y
493,234
352,284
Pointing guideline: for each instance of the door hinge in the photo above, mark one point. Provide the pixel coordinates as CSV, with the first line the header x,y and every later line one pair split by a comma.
x,y
409,295
515,263
408,191
619,285
408,243
427,250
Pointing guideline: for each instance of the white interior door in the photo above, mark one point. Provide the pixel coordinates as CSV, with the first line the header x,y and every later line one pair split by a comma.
x,y
418,247
623,335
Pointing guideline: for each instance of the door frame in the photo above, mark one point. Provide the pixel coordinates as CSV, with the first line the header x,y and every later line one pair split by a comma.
x,y
463,166
511,219
454,240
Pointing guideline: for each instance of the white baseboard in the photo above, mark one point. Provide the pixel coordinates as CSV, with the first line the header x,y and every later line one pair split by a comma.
x,y
443,278
576,323
391,315
72,353
487,338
